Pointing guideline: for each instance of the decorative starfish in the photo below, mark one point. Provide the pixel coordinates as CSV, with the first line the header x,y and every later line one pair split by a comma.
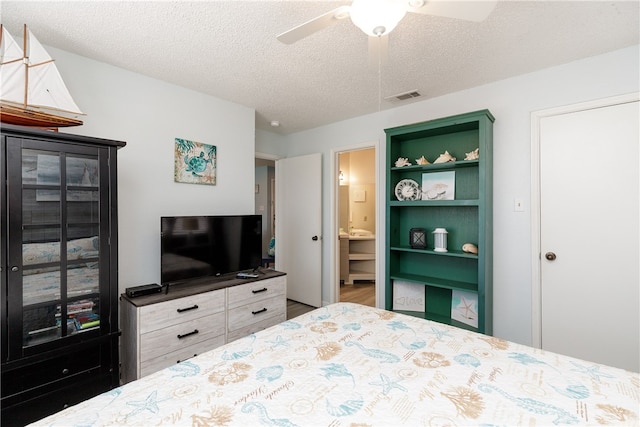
x,y
387,384
149,404
467,309
440,333
279,341
593,371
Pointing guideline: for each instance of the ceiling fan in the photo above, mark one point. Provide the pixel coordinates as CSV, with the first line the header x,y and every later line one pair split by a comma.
x,y
377,18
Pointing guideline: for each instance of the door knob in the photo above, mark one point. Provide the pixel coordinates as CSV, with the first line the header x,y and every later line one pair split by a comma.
x,y
314,238
550,256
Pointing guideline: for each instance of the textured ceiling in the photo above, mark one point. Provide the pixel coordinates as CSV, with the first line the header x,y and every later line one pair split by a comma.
x,y
228,49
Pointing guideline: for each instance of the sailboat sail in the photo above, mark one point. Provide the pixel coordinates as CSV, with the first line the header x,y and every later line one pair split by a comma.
x,y
30,81
11,69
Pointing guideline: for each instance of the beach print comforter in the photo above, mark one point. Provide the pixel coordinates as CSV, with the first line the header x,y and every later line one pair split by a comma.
x,y
347,365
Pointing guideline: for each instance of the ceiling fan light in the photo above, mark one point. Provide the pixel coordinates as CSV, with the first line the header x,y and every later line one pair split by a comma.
x,y
377,17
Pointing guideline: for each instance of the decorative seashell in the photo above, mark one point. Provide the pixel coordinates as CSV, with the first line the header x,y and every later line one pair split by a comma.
x,y
422,161
270,373
467,360
436,191
444,158
473,155
402,161
470,248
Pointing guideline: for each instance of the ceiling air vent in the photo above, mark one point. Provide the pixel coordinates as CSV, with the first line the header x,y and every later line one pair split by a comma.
x,y
404,96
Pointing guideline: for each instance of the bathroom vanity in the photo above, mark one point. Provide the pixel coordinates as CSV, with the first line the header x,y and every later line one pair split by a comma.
x,y
357,257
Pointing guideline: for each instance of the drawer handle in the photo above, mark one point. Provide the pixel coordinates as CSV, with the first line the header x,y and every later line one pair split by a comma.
x,y
65,371
195,331
260,311
260,290
180,361
182,310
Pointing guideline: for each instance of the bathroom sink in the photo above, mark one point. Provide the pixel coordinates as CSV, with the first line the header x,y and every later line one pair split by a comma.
x,y
359,232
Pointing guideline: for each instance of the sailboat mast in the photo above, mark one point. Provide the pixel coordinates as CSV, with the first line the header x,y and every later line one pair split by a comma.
x,y
36,96
25,60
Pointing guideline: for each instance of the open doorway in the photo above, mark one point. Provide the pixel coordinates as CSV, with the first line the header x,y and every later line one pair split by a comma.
x,y
356,213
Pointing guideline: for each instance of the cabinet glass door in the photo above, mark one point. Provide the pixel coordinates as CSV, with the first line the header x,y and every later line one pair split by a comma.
x,y
60,244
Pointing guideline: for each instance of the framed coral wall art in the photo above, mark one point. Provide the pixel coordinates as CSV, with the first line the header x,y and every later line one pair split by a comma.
x,y
195,162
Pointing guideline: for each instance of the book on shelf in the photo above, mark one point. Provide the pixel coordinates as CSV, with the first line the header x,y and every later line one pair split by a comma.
x,y
77,307
88,325
86,320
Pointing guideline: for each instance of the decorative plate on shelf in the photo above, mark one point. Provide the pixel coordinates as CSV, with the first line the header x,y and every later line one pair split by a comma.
x,y
408,189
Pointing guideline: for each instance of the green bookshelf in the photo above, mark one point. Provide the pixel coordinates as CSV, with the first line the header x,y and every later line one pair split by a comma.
x,y
454,287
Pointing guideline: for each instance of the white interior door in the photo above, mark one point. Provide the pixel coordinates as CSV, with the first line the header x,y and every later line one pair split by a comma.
x,y
589,234
299,226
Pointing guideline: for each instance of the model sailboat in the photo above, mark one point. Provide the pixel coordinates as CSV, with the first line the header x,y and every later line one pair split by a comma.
x,y
32,92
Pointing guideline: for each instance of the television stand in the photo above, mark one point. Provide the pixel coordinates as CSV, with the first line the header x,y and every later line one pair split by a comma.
x,y
162,329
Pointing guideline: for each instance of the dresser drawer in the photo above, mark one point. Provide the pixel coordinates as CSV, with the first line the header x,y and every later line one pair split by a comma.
x,y
47,371
256,291
176,337
256,312
159,316
166,360
255,327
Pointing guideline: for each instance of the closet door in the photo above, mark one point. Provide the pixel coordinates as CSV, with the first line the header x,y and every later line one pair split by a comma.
x,y
58,218
589,186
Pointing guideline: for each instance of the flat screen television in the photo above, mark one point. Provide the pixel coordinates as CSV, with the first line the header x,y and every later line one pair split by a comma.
x,y
199,246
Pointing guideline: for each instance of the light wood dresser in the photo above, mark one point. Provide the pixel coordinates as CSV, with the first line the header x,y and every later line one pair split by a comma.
x,y
163,329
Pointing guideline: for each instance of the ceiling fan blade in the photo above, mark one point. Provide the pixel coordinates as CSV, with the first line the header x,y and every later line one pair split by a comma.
x,y
314,25
469,10
378,50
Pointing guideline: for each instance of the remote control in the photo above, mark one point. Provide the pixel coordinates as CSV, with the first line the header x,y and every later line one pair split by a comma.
x,y
246,276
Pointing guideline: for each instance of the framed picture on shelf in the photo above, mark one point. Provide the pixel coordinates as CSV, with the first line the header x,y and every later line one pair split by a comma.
x,y
439,185
464,307
408,296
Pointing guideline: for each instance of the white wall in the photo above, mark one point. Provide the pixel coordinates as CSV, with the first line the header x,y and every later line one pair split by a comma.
x,y
148,114
511,101
271,144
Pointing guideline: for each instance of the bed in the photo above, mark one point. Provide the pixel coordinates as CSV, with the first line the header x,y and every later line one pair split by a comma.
x,y
348,364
